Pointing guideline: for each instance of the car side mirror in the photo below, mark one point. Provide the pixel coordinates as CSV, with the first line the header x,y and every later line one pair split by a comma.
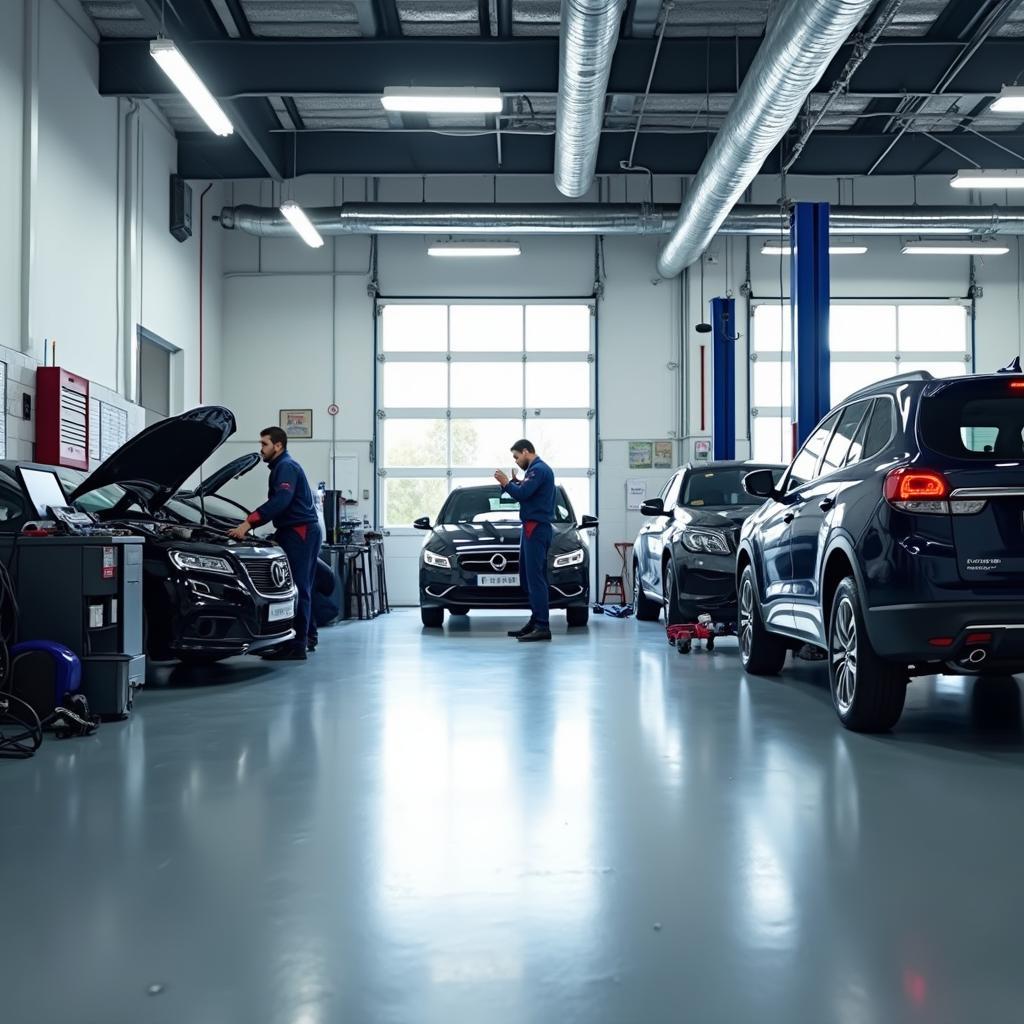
x,y
423,523
760,484
652,507
588,523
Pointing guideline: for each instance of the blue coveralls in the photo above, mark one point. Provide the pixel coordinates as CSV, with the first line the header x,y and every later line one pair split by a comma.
x,y
536,496
290,505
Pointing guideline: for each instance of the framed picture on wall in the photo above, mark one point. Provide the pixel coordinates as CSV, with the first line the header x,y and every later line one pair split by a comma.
x,y
297,422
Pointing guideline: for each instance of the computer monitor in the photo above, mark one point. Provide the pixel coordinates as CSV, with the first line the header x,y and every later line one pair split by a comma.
x,y
44,490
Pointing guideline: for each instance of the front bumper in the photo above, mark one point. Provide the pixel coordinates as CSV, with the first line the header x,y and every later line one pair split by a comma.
x,y
707,583
904,633
453,589
225,618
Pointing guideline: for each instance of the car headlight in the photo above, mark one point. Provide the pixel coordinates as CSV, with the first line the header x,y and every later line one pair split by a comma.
x,y
436,561
705,542
201,563
572,558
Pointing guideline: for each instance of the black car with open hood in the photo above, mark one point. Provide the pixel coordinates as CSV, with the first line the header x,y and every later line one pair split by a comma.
x,y
206,597
471,558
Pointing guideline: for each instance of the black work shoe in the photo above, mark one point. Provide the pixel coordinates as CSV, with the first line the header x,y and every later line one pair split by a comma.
x,y
517,633
310,646
535,635
286,654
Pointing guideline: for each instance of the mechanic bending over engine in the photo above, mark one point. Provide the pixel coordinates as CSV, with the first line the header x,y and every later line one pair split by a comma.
x,y
290,506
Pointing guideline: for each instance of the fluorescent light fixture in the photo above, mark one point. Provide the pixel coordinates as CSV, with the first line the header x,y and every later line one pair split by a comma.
x,y
988,179
303,225
190,85
472,249
954,248
776,249
404,99
1010,100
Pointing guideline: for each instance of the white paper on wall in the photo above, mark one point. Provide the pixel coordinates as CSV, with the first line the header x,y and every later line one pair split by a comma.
x,y
636,493
94,430
3,418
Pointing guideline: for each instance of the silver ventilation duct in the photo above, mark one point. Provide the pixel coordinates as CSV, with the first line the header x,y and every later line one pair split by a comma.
x,y
799,45
590,30
604,219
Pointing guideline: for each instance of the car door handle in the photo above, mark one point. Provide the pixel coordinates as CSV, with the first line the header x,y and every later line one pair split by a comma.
x,y
790,516
826,503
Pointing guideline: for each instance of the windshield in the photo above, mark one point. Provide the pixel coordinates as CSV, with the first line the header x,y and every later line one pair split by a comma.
x,y
98,501
982,420
491,505
720,488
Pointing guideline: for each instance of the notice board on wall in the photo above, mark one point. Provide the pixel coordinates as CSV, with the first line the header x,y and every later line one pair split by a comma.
x,y
3,417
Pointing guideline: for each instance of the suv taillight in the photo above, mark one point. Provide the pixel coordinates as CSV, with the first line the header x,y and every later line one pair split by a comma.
x,y
917,490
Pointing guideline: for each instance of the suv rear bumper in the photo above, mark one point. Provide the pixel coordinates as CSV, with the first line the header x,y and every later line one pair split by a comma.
x,y
905,632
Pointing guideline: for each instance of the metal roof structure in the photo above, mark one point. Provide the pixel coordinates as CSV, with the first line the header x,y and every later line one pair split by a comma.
x,y
316,69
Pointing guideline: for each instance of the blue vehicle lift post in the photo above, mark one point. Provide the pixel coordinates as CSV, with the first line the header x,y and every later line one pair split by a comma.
x,y
723,376
809,299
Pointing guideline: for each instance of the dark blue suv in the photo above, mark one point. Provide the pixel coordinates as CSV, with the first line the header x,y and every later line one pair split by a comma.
x,y
895,541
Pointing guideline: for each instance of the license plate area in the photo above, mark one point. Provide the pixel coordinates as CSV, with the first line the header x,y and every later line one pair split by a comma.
x,y
281,610
508,579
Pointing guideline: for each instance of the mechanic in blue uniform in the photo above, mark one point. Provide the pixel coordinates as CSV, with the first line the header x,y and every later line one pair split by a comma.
x,y
290,505
536,496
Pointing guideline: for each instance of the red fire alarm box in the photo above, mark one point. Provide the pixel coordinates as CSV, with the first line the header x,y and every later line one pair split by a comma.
x,y
62,418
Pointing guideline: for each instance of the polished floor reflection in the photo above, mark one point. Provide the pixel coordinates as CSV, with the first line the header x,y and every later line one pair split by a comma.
x,y
428,828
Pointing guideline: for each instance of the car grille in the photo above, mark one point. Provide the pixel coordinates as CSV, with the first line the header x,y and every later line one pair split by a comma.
x,y
480,560
261,576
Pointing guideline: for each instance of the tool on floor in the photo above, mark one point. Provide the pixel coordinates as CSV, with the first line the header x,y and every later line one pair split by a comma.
x,y
683,635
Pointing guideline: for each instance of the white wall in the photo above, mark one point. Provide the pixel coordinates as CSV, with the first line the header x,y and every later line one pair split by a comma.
x,y
282,330
94,173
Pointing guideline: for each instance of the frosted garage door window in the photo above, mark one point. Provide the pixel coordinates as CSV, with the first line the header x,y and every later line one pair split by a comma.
x,y
867,342
459,383
414,328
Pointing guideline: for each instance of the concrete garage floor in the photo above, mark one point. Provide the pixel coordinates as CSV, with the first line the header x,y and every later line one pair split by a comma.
x,y
450,827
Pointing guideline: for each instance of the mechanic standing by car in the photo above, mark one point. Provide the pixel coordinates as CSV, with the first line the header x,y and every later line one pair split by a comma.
x,y
536,496
290,505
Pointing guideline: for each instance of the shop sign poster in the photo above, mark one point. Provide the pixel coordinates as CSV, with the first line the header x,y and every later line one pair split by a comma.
x,y
663,455
641,455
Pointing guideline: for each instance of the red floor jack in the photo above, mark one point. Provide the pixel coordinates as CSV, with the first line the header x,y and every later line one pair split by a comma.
x,y
683,635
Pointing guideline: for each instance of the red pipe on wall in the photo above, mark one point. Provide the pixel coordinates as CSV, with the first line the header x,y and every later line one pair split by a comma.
x,y
703,395
202,227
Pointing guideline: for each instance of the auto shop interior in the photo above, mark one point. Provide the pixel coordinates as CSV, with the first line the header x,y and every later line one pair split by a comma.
x,y
746,276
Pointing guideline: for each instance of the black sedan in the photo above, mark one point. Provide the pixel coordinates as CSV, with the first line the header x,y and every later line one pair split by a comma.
x,y
471,558
684,558
205,597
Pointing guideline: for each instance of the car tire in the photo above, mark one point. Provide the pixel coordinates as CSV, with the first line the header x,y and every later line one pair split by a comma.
x,y
761,653
673,613
432,618
460,610
867,691
576,617
644,608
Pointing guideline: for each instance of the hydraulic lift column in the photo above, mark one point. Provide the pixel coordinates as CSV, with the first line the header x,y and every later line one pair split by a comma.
x,y
809,300
723,375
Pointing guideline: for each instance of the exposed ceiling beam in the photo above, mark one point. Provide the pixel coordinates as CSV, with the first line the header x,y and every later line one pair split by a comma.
x,y
367,66
412,153
960,18
505,18
484,17
254,118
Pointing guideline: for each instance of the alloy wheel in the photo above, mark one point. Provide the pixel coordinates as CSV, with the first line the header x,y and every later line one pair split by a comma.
x,y
843,651
746,618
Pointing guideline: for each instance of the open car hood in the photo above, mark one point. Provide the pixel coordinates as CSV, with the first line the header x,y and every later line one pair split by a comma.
x,y
153,465
216,480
